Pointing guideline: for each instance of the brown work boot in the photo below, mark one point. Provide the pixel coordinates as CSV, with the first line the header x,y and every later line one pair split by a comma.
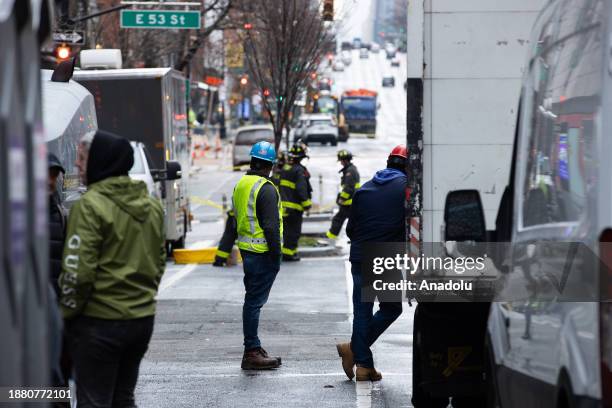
x,y
256,360
368,374
265,354
345,352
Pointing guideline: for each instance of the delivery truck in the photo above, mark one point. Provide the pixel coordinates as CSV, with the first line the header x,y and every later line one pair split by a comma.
x,y
149,106
359,108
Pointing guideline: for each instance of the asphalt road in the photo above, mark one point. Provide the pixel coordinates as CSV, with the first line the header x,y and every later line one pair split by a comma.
x,y
194,356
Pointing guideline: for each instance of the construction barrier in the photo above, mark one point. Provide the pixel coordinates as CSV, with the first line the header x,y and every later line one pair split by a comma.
x,y
203,256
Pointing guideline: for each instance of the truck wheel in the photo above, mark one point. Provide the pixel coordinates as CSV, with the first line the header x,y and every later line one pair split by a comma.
x,y
180,243
334,142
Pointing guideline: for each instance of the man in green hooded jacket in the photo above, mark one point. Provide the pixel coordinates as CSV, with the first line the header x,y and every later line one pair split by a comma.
x,y
114,258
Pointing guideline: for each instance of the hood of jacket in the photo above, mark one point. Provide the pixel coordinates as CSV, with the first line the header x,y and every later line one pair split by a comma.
x,y
129,195
385,176
109,156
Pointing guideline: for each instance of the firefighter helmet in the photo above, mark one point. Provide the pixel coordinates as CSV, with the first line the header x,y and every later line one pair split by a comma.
x,y
297,152
344,155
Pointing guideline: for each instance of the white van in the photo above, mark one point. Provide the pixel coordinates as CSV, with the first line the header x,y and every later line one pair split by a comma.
x,y
555,352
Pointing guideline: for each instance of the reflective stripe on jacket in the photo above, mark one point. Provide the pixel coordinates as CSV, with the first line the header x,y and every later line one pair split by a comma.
x,y
250,234
295,187
349,184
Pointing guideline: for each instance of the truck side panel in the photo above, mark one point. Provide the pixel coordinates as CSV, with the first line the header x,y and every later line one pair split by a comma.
x,y
472,67
140,120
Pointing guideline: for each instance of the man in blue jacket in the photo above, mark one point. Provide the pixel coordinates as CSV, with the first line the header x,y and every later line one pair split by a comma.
x,y
377,215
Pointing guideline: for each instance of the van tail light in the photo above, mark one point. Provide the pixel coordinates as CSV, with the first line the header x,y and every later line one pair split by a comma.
x,y
605,317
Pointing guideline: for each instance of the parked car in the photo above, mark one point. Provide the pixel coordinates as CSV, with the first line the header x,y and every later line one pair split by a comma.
x,y
375,49
143,169
338,66
388,82
346,45
321,128
552,348
395,62
346,58
364,53
246,137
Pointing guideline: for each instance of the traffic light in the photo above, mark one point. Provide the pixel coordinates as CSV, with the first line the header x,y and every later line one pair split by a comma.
x,y
244,81
248,26
62,52
328,10
266,92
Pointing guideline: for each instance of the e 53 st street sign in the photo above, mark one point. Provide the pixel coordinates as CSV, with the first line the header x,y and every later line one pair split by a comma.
x,y
160,19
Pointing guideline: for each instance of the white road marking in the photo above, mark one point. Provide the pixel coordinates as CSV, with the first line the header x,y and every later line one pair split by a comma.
x,y
363,392
186,270
201,244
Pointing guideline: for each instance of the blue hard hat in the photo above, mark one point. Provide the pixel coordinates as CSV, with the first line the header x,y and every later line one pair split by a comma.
x,y
264,151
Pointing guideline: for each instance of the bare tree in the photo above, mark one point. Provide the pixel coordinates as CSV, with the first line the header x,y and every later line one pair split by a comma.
x,y
284,42
214,13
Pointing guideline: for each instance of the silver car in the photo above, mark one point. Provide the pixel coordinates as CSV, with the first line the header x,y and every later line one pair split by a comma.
x,y
321,128
246,137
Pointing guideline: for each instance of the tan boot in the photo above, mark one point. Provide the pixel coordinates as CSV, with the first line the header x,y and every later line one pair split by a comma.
x,y
345,352
368,374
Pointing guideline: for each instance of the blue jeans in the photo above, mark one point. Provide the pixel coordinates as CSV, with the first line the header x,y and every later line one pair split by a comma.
x,y
259,273
367,328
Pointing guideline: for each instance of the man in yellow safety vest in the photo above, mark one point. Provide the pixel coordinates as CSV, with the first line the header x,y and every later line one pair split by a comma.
x,y
258,212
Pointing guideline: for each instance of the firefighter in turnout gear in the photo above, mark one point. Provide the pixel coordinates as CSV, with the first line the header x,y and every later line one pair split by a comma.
x,y
296,194
349,183
224,249
258,210
281,161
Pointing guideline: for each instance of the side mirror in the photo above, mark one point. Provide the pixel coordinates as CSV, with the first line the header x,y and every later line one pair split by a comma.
x,y
464,217
173,170
157,175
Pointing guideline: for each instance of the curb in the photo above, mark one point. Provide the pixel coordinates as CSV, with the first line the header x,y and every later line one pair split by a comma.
x,y
318,217
312,252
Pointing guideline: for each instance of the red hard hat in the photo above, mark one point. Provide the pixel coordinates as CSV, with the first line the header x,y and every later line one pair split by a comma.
x,y
399,151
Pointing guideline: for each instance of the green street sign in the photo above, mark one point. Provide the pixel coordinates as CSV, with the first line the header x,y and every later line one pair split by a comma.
x,y
160,19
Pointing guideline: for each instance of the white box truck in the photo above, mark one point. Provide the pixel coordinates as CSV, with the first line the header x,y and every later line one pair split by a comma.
x,y
465,66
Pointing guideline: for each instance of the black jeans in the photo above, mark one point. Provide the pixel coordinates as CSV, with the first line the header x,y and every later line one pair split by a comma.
x,y
106,356
336,225
292,230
